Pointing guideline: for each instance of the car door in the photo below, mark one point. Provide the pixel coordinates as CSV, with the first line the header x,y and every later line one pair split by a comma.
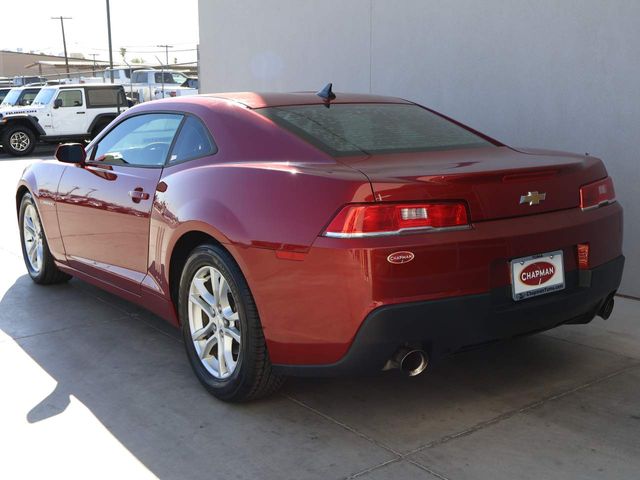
x,y
69,114
104,206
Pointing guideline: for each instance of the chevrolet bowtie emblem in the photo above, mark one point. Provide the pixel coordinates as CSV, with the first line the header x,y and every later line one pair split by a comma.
x,y
532,198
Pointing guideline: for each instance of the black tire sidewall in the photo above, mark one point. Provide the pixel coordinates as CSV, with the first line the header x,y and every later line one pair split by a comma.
x,y
7,145
27,199
240,381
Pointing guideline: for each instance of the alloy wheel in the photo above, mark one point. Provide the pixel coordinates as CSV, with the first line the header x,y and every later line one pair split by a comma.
x,y
33,238
19,141
214,322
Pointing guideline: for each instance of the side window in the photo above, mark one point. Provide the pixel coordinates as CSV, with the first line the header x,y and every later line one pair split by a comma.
x,y
70,98
28,96
193,141
143,140
103,97
139,77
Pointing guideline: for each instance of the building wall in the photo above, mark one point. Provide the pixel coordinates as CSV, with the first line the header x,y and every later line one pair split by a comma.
x,y
550,74
15,63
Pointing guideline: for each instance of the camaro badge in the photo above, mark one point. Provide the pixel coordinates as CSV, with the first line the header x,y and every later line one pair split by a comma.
x,y
532,198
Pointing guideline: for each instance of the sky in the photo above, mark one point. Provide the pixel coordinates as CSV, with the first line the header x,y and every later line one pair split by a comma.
x,y
137,25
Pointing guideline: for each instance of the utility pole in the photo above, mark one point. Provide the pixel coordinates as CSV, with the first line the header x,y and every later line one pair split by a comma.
x,y
64,40
94,63
110,47
166,52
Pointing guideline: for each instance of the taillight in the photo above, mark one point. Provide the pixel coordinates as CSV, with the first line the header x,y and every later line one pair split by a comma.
x,y
597,194
394,219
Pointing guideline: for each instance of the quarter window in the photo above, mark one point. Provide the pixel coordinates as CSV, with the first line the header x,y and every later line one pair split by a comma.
x,y
104,97
193,141
143,140
70,98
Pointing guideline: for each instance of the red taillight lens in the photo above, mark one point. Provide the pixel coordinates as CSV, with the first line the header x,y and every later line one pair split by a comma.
x,y
583,256
394,219
597,193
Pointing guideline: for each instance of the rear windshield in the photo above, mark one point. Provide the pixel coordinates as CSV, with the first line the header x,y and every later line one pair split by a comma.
x,y
353,129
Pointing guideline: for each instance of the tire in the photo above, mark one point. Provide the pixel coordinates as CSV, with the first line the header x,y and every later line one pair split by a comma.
x,y
99,127
43,271
251,376
19,140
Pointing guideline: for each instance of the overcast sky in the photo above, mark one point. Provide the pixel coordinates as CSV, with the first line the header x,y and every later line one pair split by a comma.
x,y
138,25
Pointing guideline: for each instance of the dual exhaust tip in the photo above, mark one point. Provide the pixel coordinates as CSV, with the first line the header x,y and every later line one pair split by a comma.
x,y
410,361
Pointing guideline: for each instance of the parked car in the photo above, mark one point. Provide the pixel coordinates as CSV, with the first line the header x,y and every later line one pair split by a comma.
x,y
21,80
3,93
191,82
19,97
304,234
60,113
150,84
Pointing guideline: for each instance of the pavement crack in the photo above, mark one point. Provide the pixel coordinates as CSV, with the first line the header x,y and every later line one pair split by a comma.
x,y
427,469
507,415
344,426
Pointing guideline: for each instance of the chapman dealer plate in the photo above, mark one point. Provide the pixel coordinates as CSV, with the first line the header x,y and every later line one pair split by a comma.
x,y
537,275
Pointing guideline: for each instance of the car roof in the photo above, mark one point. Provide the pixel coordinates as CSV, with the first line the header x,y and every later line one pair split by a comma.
x,y
275,99
84,85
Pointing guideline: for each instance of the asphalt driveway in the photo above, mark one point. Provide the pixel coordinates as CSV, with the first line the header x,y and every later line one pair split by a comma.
x,y
92,386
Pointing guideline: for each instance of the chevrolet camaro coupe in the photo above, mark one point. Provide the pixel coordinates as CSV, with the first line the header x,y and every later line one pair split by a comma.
x,y
323,234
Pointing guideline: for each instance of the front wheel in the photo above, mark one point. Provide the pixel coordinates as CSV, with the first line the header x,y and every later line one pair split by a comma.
x,y
19,140
221,328
35,250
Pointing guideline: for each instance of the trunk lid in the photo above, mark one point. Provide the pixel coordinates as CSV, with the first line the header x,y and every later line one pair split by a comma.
x,y
491,180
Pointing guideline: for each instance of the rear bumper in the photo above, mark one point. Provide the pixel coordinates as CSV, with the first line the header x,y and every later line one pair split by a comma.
x,y
448,325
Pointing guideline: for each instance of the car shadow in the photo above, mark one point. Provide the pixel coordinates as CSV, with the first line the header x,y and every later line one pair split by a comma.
x,y
128,368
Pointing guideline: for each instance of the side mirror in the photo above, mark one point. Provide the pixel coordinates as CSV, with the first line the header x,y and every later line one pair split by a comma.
x,y
71,153
57,103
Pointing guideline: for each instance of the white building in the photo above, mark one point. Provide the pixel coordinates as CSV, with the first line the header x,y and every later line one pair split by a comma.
x,y
552,73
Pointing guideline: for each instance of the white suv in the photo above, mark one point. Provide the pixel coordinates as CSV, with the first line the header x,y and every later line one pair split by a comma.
x,y
60,113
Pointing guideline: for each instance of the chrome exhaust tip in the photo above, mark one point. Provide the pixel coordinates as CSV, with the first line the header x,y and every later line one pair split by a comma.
x,y
409,361
414,362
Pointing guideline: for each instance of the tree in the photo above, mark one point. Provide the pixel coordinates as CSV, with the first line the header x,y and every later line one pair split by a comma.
x,y
123,52
137,60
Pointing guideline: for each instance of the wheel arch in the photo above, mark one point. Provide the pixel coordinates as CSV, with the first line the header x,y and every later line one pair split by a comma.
x,y
100,119
180,251
26,121
22,190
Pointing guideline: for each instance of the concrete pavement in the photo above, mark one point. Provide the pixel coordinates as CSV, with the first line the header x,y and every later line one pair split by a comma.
x,y
91,385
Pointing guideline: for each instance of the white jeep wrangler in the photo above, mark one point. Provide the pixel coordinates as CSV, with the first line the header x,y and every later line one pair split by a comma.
x,y
60,113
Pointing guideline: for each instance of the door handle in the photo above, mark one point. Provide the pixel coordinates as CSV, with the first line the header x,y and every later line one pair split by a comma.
x,y
80,113
138,194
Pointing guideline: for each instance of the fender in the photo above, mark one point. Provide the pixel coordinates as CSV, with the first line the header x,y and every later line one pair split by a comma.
x,y
100,118
41,180
23,118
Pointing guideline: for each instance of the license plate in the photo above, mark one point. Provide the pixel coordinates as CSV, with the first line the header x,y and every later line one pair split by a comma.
x,y
537,275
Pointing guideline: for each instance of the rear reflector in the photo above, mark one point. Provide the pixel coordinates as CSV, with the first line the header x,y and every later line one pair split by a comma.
x,y
394,219
597,194
583,256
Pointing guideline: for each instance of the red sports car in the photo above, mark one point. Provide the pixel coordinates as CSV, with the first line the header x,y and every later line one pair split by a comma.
x,y
322,234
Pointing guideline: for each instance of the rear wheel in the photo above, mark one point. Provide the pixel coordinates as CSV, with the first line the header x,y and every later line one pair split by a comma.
x,y
101,125
35,250
221,328
19,140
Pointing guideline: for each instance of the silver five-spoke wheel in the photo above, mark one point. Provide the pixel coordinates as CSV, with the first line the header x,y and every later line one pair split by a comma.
x,y
32,235
214,322
20,141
